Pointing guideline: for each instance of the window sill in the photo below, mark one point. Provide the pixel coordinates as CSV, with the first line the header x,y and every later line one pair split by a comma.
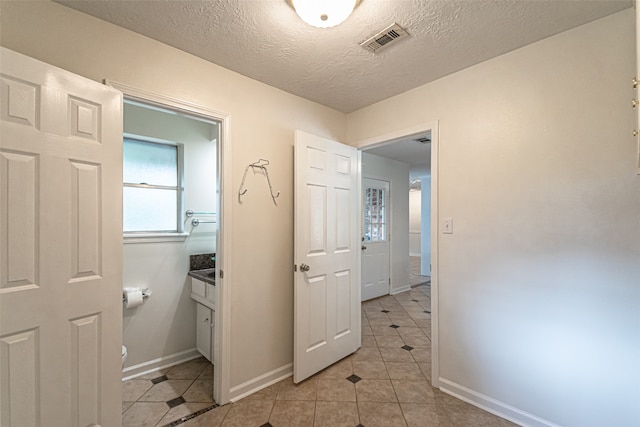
x,y
154,237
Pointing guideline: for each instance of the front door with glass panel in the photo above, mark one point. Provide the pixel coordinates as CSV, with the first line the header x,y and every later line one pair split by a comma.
x,y
375,239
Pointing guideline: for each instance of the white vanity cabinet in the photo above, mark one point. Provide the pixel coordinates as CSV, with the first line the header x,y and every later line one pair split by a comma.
x,y
205,297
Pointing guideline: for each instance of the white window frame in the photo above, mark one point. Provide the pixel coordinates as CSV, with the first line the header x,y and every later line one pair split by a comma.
x,y
384,223
168,235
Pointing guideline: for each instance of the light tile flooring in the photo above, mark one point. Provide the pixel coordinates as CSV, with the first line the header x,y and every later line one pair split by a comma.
x,y
159,398
387,382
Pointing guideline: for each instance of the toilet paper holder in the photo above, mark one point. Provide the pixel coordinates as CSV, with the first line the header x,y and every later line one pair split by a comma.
x,y
146,293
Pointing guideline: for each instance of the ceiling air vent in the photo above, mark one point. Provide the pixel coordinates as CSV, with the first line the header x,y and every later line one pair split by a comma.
x,y
385,38
423,140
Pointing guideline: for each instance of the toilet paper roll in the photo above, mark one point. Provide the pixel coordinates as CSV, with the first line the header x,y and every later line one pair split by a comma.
x,y
132,297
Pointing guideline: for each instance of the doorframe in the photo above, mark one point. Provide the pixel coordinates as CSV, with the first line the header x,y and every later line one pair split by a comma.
x,y
390,138
222,339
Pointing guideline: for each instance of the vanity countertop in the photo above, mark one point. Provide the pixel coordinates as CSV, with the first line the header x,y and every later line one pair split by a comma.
x,y
208,275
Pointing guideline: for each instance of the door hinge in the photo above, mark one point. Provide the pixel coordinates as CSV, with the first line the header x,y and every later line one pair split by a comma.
x,y
295,268
389,281
221,274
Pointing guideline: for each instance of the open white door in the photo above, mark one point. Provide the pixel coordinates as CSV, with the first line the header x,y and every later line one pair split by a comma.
x,y
327,246
376,280
61,247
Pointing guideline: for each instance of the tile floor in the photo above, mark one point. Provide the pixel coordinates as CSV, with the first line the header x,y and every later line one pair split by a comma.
x,y
387,382
164,396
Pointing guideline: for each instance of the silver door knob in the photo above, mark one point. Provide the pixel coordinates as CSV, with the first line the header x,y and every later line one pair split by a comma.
x,y
304,267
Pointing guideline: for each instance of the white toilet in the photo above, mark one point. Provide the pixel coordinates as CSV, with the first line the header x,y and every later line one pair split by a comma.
x,y
124,355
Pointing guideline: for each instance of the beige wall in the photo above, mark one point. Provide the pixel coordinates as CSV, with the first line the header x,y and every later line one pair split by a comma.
x,y
540,282
262,123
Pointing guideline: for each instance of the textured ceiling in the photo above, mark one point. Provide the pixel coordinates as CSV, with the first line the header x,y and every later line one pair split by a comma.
x,y
265,40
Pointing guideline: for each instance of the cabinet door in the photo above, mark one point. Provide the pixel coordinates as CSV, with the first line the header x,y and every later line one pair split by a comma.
x,y
211,294
203,330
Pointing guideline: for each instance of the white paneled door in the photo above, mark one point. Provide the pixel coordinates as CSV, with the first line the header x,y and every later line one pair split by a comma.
x,y
375,239
327,237
60,247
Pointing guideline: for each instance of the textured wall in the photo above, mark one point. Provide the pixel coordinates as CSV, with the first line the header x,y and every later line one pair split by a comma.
x,y
539,287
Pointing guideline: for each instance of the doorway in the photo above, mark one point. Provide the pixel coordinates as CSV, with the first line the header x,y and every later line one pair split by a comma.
x,y
419,229
417,147
207,235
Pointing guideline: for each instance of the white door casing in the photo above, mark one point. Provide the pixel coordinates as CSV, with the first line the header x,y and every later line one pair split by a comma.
x,y
221,336
61,247
327,295
375,239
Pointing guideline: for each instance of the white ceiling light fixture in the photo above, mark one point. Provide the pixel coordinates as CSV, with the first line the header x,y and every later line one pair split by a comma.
x,y
324,13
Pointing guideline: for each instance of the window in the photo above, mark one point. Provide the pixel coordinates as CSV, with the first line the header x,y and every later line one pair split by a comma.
x,y
152,193
375,215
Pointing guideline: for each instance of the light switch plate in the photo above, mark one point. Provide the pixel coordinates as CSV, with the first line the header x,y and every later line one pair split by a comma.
x,y
447,226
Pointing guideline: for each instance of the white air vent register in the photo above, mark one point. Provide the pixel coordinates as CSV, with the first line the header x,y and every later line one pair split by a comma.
x,y
385,38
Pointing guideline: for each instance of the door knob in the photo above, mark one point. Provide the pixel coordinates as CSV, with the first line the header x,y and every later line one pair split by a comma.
x,y
304,267
364,248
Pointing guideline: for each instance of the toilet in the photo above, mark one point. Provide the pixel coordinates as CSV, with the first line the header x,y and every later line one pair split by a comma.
x,y
124,355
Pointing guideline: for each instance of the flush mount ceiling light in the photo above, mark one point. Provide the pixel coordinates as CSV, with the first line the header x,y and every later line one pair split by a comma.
x,y
323,13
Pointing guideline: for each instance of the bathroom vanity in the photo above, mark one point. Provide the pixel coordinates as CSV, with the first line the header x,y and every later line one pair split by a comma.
x,y
203,291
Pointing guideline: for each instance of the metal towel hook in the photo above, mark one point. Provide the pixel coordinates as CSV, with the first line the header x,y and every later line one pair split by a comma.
x,y
260,164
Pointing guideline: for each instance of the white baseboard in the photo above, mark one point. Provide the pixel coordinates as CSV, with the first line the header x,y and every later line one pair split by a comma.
x,y
131,372
400,290
258,383
492,405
